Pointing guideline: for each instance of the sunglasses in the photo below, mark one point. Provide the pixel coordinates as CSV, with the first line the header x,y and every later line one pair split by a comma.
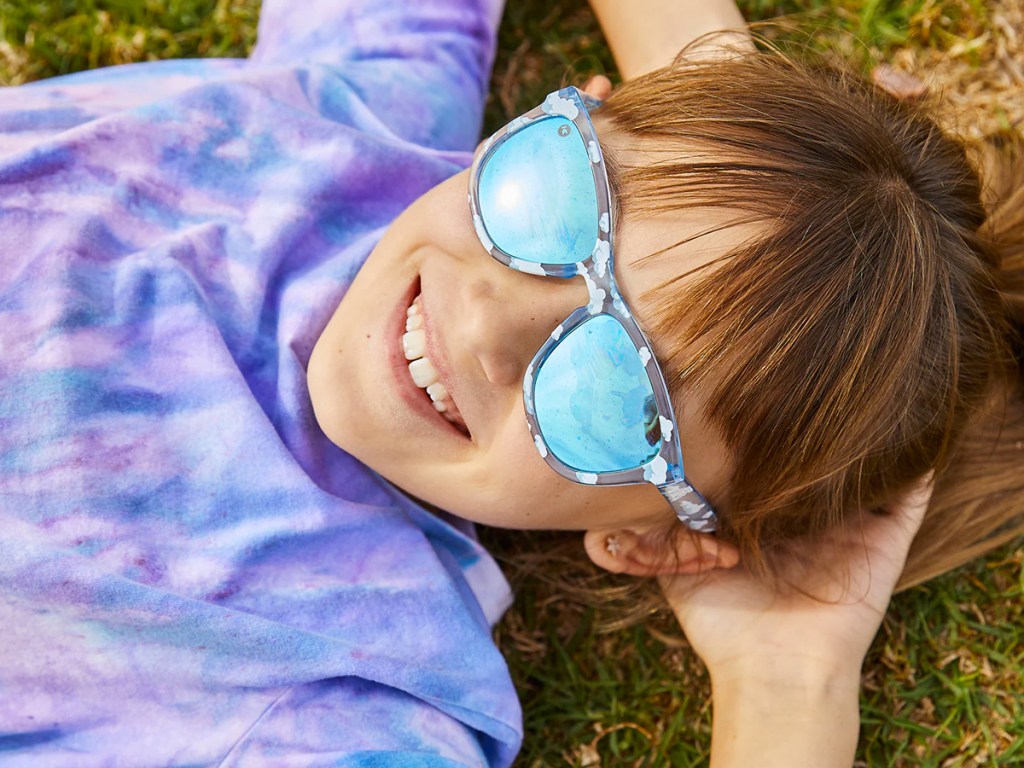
x,y
596,401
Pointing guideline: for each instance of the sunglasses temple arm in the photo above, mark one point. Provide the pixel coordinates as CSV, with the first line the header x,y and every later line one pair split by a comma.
x,y
691,508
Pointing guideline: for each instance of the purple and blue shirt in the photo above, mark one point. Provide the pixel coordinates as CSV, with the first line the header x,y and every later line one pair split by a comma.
x,y
190,572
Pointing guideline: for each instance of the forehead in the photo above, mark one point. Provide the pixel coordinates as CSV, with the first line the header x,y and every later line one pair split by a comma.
x,y
672,244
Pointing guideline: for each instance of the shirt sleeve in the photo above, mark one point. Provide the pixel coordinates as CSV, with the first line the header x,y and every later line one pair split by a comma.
x,y
422,68
354,723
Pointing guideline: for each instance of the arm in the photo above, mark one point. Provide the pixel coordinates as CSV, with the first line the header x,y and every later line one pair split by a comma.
x,y
648,34
785,718
785,668
421,68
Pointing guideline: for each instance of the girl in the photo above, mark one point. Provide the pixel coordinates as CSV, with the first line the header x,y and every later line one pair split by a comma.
x,y
192,573
837,314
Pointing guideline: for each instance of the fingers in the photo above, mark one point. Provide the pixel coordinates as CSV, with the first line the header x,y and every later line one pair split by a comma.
x,y
909,511
877,548
886,544
599,86
898,83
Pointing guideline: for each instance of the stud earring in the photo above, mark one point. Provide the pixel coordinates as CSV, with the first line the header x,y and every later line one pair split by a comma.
x,y
612,545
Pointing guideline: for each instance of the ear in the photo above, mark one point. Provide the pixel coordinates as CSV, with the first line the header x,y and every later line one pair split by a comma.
x,y
599,86
653,553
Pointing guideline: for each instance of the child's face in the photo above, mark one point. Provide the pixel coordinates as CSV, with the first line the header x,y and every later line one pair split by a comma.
x,y
483,324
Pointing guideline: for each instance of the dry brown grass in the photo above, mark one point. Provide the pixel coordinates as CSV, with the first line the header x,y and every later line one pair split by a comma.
x,y
981,77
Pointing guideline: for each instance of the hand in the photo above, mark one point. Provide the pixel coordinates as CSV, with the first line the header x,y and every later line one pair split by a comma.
x,y
739,627
599,87
785,668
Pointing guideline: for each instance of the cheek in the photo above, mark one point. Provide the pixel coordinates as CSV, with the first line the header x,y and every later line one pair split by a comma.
x,y
515,454
522,491
518,489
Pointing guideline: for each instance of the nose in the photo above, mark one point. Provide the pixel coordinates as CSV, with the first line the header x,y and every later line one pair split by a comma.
x,y
508,315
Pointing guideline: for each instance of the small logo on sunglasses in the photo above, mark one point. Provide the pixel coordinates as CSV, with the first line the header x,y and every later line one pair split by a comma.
x,y
564,130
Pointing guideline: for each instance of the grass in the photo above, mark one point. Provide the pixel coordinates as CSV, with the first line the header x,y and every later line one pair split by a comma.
x,y
942,685
42,39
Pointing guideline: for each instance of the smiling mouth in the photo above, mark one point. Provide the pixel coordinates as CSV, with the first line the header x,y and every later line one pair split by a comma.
x,y
422,370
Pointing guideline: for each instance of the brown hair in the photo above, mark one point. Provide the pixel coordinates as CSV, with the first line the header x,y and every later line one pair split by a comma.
x,y
870,332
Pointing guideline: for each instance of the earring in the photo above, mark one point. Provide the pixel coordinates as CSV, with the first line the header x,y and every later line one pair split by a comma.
x,y
612,545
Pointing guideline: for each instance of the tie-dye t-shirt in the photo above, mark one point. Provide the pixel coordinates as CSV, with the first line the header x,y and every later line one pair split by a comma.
x,y
190,573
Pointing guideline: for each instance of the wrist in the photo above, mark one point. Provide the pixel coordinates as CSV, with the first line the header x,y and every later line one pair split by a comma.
x,y
804,670
793,713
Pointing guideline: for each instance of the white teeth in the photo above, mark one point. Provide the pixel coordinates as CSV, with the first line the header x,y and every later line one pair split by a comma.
x,y
423,372
414,343
437,391
424,375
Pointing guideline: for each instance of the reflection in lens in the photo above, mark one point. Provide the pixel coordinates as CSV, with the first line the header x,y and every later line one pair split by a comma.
x,y
594,402
537,196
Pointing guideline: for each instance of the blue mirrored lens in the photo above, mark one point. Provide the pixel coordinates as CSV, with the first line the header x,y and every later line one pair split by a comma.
x,y
537,197
594,402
